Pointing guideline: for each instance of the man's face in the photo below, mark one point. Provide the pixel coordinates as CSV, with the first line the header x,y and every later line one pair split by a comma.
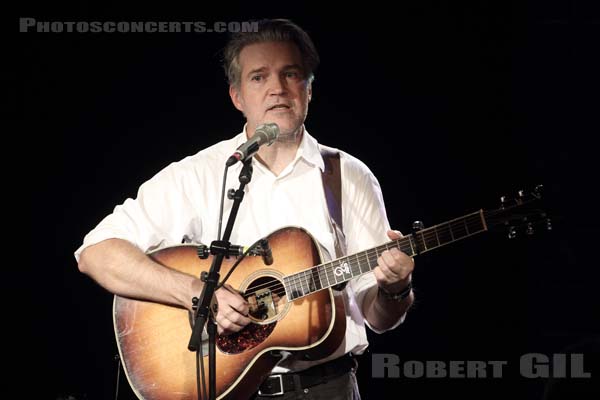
x,y
273,87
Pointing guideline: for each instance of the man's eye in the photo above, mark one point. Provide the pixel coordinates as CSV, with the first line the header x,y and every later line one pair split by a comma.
x,y
256,78
291,74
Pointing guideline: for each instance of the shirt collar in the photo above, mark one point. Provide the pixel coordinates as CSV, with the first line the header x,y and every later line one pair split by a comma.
x,y
308,149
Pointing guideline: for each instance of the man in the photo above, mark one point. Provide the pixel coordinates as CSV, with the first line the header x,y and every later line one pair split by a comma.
x,y
270,74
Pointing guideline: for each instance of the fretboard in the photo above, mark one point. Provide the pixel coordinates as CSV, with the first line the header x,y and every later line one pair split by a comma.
x,y
343,269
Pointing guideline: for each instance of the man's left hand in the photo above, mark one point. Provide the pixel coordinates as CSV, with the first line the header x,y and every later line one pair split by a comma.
x,y
394,268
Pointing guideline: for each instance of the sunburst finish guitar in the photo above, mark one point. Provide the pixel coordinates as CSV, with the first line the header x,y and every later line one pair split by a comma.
x,y
292,307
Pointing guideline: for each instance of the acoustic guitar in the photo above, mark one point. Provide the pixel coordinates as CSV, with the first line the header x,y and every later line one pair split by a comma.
x,y
292,306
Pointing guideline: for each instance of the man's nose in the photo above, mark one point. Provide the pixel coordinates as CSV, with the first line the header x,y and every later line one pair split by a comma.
x,y
278,86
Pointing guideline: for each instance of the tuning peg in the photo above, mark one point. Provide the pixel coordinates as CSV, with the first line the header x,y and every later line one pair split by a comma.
x,y
529,229
538,190
418,225
548,224
512,232
502,202
521,197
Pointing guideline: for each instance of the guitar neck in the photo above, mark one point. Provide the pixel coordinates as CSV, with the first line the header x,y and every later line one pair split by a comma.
x,y
343,269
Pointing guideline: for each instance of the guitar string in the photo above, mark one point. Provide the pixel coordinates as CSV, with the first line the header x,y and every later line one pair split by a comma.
x,y
312,289
301,278
426,235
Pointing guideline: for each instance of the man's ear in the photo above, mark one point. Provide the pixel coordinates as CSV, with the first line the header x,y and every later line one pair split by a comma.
x,y
309,89
234,94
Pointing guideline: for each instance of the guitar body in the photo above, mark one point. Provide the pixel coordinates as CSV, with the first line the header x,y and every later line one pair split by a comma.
x,y
153,338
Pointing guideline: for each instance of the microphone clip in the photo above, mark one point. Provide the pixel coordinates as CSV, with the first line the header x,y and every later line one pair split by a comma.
x,y
219,247
264,249
231,250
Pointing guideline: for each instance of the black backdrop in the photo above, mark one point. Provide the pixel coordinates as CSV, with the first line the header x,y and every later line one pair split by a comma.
x,y
451,106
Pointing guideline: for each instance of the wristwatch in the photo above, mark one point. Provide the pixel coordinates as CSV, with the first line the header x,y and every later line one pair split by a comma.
x,y
396,296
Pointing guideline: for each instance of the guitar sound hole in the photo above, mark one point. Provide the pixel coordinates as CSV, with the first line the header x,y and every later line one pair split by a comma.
x,y
266,297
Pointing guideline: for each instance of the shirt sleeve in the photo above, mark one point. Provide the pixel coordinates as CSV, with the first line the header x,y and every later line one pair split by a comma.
x,y
158,217
365,222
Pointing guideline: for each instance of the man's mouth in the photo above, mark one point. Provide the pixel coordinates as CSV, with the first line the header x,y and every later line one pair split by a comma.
x,y
278,107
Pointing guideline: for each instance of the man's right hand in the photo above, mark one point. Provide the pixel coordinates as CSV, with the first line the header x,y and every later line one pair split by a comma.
x,y
232,312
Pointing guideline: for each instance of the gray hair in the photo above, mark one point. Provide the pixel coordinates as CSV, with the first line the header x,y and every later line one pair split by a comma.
x,y
269,30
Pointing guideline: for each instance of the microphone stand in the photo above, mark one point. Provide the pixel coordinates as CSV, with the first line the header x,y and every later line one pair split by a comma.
x,y
221,249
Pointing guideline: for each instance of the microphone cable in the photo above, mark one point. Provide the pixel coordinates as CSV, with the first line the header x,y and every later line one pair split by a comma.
x,y
222,201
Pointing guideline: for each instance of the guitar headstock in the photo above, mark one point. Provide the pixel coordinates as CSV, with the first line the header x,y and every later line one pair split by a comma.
x,y
520,215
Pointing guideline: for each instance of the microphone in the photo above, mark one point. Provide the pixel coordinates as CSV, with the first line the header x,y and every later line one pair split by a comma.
x,y
264,134
267,254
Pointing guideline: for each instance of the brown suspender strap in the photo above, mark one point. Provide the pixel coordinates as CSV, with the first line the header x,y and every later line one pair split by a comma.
x,y
332,185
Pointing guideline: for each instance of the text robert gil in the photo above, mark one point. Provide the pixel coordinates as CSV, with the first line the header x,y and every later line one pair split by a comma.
x,y
531,365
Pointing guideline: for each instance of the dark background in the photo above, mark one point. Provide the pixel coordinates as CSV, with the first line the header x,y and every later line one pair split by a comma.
x,y
450,104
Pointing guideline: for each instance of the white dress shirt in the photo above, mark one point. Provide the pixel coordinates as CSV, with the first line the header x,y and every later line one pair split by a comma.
x,y
182,202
